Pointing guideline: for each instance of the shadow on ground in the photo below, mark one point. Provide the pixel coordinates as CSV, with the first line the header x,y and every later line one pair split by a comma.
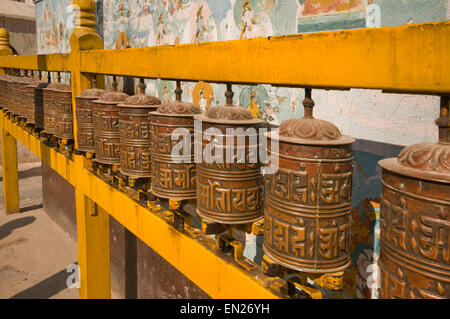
x,y
7,228
46,288
34,171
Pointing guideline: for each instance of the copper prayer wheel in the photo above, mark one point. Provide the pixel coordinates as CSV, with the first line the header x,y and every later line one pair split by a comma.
x,y
105,115
415,219
4,80
49,96
174,176
14,94
135,134
230,192
308,199
63,111
9,93
21,89
35,102
85,124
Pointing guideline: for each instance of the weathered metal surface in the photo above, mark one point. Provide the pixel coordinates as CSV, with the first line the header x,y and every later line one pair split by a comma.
x,y
135,135
415,219
50,108
105,115
308,200
3,89
174,177
12,93
35,102
63,112
85,125
21,96
230,192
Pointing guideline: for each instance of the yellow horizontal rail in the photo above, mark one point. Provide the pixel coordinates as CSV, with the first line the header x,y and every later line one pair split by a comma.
x,y
219,277
45,62
411,58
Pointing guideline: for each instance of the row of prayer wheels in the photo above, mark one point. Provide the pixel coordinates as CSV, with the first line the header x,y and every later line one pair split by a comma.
x,y
305,202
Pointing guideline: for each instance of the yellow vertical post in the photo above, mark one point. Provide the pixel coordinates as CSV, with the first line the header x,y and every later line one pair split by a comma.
x,y
9,148
92,221
93,244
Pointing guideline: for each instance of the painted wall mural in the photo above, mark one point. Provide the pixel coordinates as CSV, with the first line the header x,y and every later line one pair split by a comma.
x,y
53,26
389,121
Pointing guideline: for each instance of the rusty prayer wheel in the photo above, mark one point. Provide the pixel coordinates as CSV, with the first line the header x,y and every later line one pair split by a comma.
x,y
21,89
63,111
35,102
415,219
14,94
85,124
230,192
49,97
174,176
4,79
308,200
105,115
135,134
11,93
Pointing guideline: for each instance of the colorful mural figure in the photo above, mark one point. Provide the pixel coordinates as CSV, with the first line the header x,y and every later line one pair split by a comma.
x,y
253,18
162,37
253,106
200,28
249,26
202,95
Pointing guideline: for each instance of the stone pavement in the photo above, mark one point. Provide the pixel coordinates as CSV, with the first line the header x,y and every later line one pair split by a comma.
x,y
34,251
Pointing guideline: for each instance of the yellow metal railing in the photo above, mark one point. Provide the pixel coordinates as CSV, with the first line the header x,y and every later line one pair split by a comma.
x,y
412,58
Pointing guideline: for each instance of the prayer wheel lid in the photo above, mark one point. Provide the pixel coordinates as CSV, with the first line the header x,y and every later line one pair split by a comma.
x,y
429,161
93,93
309,130
112,98
141,100
177,108
228,114
58,87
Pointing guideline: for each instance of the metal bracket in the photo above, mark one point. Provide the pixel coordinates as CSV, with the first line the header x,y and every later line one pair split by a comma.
x,y
258,227
226,244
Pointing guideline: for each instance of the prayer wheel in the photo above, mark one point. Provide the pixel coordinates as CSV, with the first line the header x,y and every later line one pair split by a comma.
x,y
4,80
35,100
308,199
13,91
415,219
85,124
105,115
63,111
135,134
229,182
20,94
11,101
49,97
174,175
